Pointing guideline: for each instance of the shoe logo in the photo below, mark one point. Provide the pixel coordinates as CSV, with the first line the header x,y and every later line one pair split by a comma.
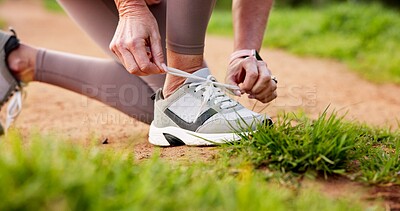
x,y
192,126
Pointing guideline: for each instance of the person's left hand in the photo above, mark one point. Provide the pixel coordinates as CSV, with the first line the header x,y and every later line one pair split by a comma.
x,y
253,77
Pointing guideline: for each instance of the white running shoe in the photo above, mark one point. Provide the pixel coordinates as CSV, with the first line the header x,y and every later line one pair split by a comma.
x,y
200,113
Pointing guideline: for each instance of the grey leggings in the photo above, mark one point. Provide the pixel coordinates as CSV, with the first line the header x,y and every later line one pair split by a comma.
x,y
182,25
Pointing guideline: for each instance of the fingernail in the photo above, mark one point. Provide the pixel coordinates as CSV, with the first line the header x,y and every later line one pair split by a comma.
x,y
252,97
237,93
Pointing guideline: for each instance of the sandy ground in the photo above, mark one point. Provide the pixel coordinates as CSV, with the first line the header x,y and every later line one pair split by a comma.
x,y
305,84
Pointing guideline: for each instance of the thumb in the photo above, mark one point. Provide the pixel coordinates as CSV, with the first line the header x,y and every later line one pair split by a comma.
x,y
230,80
157,52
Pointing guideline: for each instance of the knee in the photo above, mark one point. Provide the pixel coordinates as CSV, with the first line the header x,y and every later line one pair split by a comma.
x,y
151,2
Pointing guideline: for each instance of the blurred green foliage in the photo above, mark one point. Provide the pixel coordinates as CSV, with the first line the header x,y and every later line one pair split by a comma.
x,y
223,4
327,145
52,5
2,24
45,173
226,4
364,36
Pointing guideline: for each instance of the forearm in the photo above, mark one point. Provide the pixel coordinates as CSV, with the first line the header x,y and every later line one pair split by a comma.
x,y
250,20
130,7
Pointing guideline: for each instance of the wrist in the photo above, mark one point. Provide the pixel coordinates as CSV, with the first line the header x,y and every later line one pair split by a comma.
x,y
127,8
244,53
242,42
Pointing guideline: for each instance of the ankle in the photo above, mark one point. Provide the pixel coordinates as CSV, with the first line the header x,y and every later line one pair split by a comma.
x,y
22,62
187,63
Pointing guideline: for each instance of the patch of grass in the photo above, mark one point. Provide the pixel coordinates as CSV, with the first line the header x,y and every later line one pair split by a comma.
x,y
327,145
349,32
42,173
298,144
379,157
52,5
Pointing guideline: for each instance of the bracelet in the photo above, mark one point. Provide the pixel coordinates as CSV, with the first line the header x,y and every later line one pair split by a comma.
x,y
244,54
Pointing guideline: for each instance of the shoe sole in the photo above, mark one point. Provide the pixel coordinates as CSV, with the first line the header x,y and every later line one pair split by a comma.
x,y
175,136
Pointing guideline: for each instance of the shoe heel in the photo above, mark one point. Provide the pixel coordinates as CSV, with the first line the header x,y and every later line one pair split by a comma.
x,y
156,137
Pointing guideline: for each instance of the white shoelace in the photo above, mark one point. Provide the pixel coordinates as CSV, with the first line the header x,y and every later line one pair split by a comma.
x,y
213,90
14,108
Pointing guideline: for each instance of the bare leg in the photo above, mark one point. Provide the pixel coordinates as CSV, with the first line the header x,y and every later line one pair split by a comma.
x,y
188,63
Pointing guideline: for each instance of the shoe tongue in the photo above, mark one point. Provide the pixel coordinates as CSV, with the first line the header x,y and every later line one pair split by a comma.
x,y
204,72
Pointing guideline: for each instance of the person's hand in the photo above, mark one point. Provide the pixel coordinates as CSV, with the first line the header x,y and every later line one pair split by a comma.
x,y
252,76
137,41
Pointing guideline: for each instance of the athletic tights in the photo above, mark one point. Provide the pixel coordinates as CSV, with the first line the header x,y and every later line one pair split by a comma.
x,y
182,25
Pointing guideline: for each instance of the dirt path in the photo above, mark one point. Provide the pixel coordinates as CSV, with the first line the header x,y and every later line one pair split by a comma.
x,y
304,84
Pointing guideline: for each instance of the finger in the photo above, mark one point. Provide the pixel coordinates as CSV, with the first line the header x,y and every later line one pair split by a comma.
x,y
115,45
266,92
270,97
157,52
114,49
119,56
131,66
138,49
266,95
130,63
231,80
236,73
250,66
124,56
263,80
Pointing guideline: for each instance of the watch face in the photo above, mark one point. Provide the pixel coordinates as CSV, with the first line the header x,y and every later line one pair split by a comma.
x,y
258,57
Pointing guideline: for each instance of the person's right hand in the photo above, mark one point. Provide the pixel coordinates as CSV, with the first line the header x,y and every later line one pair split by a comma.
x,y
137,42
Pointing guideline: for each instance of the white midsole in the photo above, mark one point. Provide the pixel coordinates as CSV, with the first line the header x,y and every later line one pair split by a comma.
x,y
156,136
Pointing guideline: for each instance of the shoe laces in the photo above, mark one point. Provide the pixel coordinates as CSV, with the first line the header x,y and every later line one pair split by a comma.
x,y
14,108
213,91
